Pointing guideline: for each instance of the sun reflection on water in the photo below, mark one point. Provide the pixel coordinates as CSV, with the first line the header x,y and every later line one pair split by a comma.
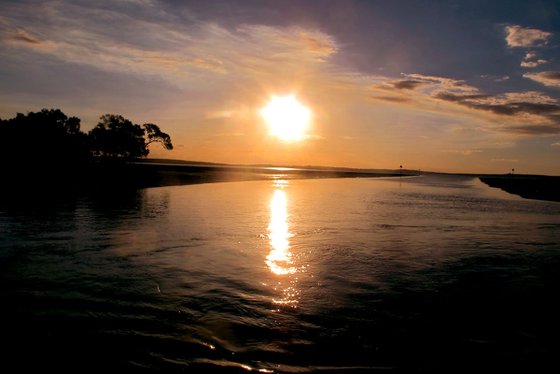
x,y
280,259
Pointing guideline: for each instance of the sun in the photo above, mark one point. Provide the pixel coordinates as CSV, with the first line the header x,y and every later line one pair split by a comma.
x,y
287,119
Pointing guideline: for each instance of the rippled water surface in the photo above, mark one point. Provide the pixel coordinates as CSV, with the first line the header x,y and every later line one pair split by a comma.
x,y
426,274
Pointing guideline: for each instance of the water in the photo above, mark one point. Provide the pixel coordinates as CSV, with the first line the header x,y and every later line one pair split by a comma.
x,y
427,274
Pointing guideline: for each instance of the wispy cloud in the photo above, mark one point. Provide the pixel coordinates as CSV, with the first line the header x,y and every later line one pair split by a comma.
x,y
517,36
536,129
548,78
407,84
504,160
463,152
143,46
392,99
435,82
228,134
506,104
495,78
22,36
415,88
219,114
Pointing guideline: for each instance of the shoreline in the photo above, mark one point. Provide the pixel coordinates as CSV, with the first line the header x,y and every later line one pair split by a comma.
x,y
536,187
106,176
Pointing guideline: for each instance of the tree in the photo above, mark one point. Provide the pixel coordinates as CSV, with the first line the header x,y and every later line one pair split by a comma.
x,y
156,135
51,140
117,137
48,136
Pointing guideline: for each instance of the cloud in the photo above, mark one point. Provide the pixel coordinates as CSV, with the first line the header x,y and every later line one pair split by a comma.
x,y
314,137
530,55
417,87
285,43
417,90
441,83
517,36
517,113
531,61
219,114
532,64
160,46
495,78
536,129
393,99
25,37
228,135
548,78
318,43
539,111
507,160
408,84
531,113
463,152
506,104
11,34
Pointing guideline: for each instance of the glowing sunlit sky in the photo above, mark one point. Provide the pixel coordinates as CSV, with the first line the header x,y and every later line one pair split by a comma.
x,y
461,86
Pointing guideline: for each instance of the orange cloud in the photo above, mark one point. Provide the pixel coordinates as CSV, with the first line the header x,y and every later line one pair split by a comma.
x,y
531,61
517,36
548,78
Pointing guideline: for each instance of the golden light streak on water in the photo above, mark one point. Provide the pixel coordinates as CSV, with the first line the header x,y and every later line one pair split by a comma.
x,y
280,258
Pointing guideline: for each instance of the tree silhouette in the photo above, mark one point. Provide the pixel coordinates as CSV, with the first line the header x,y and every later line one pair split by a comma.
x,y
50,137
45,136
47,149
154,134
117,137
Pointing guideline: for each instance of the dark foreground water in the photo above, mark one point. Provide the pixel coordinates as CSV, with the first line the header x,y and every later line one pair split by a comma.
x,y
427,274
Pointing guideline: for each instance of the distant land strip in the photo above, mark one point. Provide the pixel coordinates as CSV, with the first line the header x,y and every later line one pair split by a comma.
x,y
150,174
539,187
105,176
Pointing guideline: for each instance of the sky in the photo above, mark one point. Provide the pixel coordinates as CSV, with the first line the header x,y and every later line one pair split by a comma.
x,y
453,86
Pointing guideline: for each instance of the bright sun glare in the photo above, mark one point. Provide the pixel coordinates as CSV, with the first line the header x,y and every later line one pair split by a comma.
x,y
287,118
